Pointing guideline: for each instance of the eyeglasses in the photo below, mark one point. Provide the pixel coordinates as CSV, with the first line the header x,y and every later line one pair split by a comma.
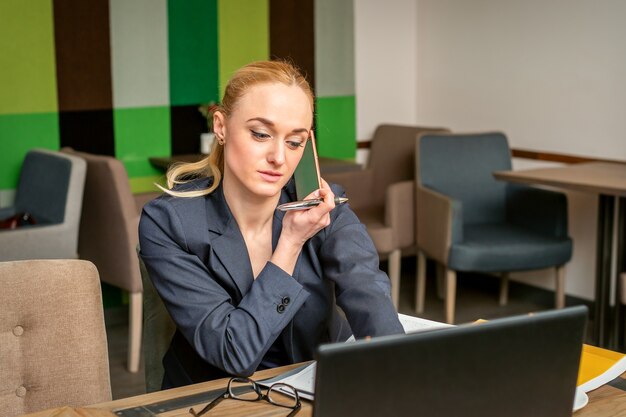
x,y
245,389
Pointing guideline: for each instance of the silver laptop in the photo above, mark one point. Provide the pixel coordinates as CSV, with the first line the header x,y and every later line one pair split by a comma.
x,y
517,366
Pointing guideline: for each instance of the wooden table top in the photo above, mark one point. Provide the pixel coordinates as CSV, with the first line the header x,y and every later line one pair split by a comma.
x,y
593,177
606,401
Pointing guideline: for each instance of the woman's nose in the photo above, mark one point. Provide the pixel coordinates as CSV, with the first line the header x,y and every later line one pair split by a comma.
x,y
276,153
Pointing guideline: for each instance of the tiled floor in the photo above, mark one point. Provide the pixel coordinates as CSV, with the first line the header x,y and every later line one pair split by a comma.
x,y
476,298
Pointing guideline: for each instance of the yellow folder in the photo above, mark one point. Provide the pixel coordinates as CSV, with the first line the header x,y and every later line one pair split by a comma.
x,y
599,366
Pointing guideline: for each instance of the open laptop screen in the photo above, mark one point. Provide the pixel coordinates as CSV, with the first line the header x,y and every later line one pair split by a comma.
x,y
517,366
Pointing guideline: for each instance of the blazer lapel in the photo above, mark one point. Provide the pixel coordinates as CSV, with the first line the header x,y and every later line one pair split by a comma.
x,y
227,242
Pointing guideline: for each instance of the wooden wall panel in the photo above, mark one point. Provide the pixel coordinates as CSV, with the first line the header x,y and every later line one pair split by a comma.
x,y
83,55
292,25
187,124
88,131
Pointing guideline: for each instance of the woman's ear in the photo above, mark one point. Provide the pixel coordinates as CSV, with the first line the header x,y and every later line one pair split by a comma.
x,y
219,125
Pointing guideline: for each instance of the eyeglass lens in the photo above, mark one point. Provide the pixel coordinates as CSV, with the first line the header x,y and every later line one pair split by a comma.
x,y
283,395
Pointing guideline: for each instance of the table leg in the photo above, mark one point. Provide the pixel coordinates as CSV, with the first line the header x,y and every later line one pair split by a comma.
x,y
601,328
619,328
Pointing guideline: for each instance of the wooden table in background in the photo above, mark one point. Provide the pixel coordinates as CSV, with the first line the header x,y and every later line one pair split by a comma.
x,y
606,401
327,165
608,181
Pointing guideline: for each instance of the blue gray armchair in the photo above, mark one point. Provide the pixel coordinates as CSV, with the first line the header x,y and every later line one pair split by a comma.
x,y
468,221
50,189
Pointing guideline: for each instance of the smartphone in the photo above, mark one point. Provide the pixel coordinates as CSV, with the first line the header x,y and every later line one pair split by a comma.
x,y
307,173
307,177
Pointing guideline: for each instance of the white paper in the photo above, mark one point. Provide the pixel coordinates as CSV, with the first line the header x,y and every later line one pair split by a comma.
x,y
304,380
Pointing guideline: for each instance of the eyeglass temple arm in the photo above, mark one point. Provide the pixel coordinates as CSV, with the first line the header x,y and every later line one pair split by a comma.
x,y
295,410
209,406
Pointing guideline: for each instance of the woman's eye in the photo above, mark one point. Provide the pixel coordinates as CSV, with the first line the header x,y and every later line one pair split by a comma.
x,y
259,135
292,144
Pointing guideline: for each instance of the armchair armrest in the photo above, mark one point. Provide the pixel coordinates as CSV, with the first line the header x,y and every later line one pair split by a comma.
x,y
400,213
439,223
540,210
357,184
6,212
38,242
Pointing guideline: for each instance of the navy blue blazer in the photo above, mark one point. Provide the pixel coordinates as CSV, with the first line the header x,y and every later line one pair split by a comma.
x,y
226,320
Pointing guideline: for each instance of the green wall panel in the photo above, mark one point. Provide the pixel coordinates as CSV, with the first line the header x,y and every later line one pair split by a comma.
x,y
147,184
193,69
139,134
336,127
18,134
27,66
243,35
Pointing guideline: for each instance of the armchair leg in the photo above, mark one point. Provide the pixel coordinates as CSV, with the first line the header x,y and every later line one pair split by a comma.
x,y
135,312
560,287
420,290
504,289
450,295
394,276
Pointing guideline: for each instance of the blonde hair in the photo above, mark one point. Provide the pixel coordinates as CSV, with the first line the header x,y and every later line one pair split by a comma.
x,y
252,74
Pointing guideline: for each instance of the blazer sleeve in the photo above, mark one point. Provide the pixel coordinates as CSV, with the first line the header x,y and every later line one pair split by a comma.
x,y
231,337
363,291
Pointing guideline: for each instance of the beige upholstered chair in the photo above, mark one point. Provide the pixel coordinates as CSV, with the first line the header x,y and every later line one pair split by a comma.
x,y
158,329
53,346
50,188
108,236
382,194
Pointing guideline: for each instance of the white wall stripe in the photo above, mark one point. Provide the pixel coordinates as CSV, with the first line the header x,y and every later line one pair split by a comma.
x,y
139,53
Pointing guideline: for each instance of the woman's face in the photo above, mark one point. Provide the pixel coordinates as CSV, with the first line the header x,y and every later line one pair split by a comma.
x,y
264,138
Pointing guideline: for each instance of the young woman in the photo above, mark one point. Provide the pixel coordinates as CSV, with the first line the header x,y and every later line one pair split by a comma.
x,y
250,287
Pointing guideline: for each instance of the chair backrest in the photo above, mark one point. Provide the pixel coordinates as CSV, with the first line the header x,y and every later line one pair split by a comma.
x,y
53,346
158,330
108,232
50,186
392,156
51,189
461,166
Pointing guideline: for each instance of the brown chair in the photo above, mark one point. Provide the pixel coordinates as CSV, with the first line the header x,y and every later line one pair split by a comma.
x,y
53,346
108,236
382,194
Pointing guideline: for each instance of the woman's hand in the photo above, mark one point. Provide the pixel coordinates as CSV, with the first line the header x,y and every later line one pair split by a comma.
x,y
301,225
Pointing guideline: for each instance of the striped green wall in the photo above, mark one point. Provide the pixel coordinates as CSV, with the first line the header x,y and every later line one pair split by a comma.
x,y
28,95
335,86
125,77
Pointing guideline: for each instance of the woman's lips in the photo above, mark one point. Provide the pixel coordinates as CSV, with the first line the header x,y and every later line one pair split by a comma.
x,y
270,176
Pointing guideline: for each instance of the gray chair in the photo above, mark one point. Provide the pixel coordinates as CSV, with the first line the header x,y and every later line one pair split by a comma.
x,y
468,221
53,345
158,330
382,194
50,189
108,236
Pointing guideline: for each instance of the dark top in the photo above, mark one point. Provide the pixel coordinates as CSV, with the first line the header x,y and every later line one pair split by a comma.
x,y
226,320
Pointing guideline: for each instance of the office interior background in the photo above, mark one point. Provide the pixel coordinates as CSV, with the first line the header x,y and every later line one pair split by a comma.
x,y
125,78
